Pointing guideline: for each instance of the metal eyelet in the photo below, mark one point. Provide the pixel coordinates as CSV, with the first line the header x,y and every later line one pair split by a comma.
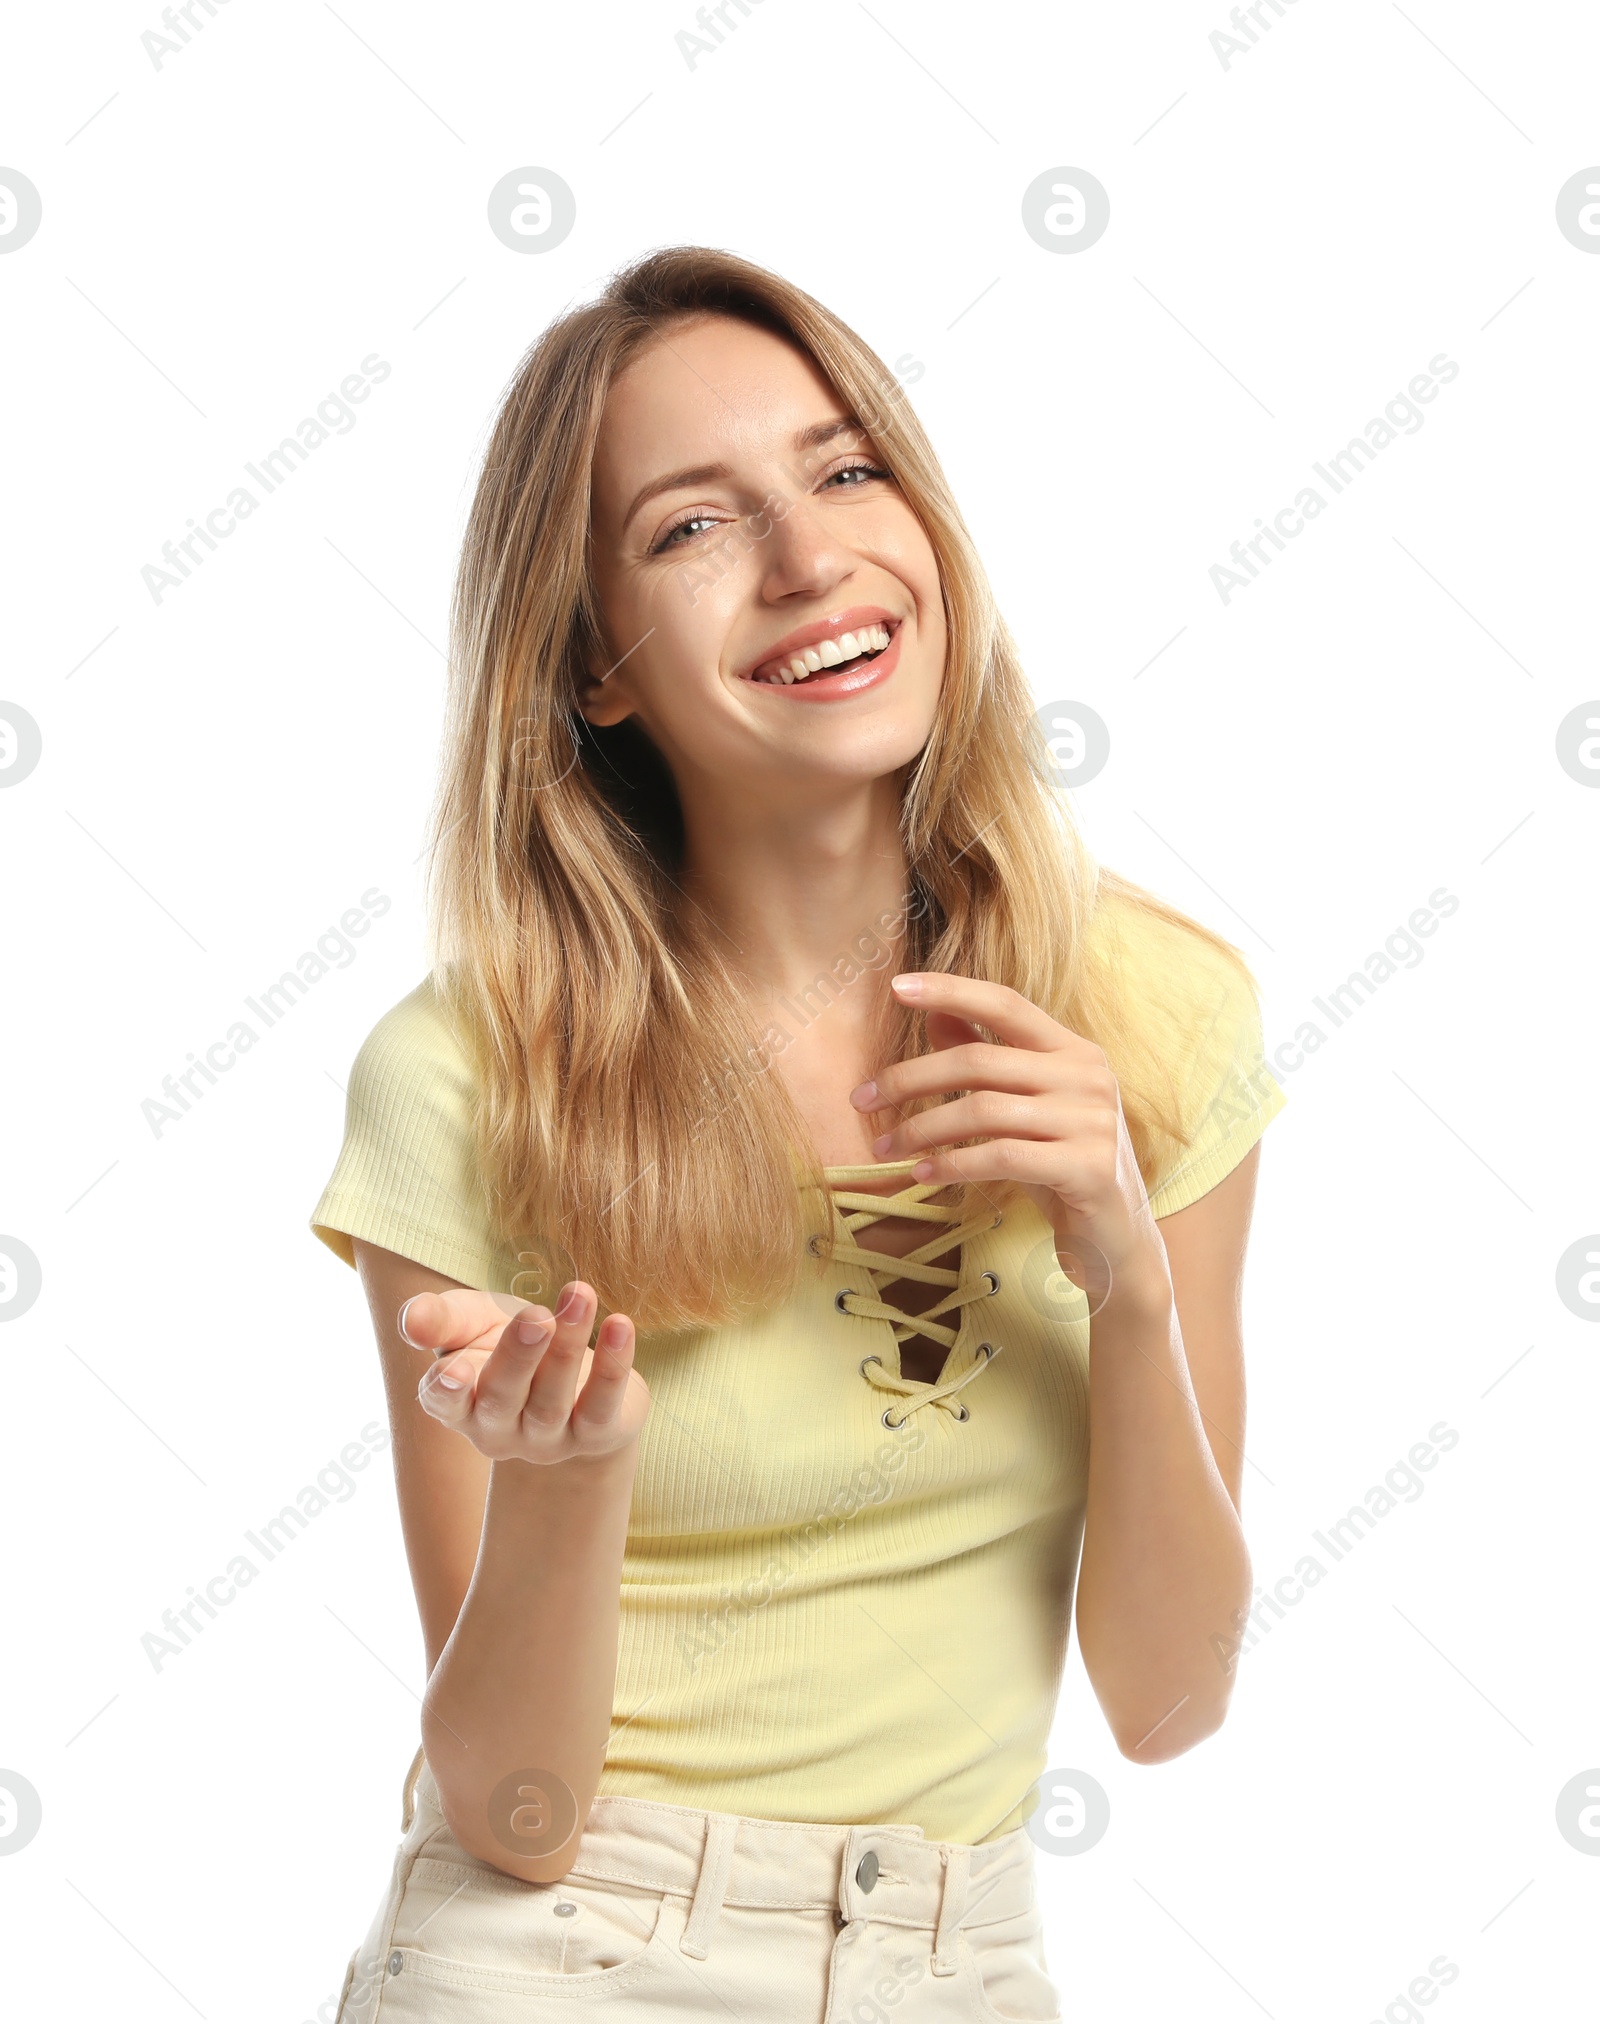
x,y
897,1424
985,1349
839,1299
999,1215
862,1366
963,1414
993,1279
812,1244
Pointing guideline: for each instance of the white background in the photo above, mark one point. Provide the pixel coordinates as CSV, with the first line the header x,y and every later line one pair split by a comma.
x,y
1293,237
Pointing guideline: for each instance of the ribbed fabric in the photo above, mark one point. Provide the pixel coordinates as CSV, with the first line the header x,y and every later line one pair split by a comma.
x,y
825,1618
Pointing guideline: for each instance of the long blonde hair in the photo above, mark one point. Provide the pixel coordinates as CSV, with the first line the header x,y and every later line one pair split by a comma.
x,y
627,1112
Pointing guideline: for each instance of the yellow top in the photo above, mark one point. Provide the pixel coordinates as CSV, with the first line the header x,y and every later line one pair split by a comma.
x,y
845,1595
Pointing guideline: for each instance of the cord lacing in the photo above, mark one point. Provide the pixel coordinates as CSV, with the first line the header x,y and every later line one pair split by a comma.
x,y
859,1208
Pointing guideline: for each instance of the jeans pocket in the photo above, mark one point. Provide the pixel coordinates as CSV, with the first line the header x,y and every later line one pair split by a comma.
x,y
490,1937
1006,1960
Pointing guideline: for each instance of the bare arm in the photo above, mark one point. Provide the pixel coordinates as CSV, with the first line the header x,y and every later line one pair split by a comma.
x,y
1165,1568
514,1503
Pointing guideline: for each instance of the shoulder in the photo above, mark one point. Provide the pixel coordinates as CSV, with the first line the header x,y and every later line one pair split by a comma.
x,y
418,1042
407,1175
1188,1032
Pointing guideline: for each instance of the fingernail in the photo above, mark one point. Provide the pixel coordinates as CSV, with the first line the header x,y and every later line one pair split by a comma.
x,y
532,1325
441,1377
909,985
568,1304
864,1095
881,1145
400,1322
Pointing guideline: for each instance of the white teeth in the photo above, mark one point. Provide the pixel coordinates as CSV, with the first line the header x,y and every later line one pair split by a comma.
x,y
830,654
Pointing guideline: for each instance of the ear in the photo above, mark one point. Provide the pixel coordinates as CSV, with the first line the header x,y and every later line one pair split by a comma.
x,y
602,697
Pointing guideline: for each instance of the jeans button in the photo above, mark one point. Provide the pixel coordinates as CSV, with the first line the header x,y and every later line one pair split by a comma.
x,y
867,1870
396,1963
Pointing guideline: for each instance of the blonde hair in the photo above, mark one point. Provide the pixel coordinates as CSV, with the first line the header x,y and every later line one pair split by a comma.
x,y
626,1109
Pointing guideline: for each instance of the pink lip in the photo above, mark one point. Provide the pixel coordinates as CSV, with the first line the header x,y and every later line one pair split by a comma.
x,y
827,682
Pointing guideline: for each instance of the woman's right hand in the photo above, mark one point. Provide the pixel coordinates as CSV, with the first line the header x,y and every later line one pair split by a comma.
x,y
528,1388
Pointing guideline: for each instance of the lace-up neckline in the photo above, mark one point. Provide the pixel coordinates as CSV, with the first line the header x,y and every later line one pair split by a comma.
x,y
857,1206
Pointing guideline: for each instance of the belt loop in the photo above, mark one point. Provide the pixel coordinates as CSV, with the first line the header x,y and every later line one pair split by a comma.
x,y
408,1794
716,1864
952,1903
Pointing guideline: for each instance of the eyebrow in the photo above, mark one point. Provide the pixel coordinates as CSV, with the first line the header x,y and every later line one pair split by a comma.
x,y
706,474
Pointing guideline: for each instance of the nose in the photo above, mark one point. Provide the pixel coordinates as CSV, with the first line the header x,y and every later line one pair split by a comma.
x,y
803,557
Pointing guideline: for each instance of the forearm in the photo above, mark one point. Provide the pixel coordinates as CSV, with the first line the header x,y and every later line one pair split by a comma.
x,y
1164,1567
526,1681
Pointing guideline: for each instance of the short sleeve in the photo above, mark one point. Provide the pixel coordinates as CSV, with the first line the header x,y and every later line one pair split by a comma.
x,y
1198,1006
1227,1094
407,1176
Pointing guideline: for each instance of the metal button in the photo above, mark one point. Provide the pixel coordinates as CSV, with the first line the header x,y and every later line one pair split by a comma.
x,y
838,1920
867,1870
396,1963
565,1910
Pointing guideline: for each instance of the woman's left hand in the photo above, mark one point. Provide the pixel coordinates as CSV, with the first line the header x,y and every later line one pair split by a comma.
x,y
1046,1099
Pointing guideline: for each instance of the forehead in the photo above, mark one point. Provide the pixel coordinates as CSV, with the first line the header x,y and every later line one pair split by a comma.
x,y
714,391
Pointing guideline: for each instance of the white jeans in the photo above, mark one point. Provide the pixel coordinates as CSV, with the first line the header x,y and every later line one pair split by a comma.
x,y
669,1911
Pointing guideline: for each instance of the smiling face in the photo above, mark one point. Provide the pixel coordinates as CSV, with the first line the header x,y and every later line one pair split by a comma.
x,y
770,601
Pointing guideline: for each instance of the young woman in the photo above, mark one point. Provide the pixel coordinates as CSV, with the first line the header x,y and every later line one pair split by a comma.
x,y
780,1025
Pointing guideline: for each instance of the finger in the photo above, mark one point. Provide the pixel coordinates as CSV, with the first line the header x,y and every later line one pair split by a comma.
x,y
1017,1020
1033,1162
503,1382
446,1388
974,1064
985,1113
550,1396
461,1317
607,1383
